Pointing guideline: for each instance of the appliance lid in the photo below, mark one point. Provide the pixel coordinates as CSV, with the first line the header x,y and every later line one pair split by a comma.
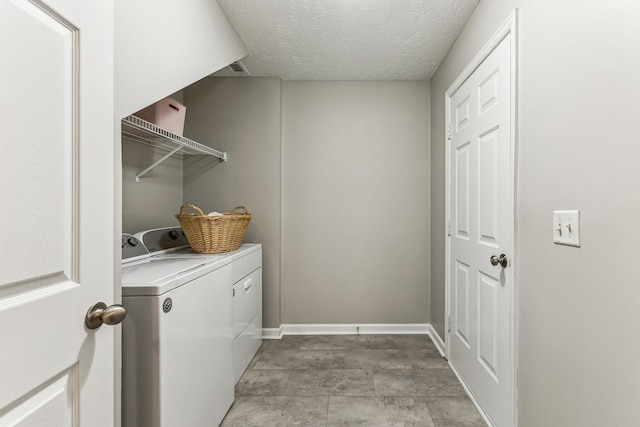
x,y
157,275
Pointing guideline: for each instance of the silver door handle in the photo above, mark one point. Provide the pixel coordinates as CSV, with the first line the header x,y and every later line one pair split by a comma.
x,y
502,260
99,313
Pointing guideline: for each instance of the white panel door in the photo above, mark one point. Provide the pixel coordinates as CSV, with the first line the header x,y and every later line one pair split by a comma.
x,y
56,173
481,223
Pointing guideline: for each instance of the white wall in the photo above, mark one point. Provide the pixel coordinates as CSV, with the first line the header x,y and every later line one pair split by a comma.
x,y
579,82
355,202
240,116
163,46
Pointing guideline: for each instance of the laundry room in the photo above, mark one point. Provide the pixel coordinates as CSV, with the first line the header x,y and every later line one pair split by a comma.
x,y
336,164
319,213
318,165
337,159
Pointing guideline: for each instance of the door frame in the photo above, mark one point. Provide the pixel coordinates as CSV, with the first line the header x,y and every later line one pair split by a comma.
x,y
510,26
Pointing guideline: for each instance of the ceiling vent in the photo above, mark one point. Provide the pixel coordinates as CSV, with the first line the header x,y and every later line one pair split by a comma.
x,y
238,69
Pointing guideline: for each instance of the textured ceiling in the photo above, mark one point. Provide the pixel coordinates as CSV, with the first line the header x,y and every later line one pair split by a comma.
x,y
346,39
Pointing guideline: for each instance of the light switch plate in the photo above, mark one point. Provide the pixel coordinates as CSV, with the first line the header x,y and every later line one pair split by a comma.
x,y
566,228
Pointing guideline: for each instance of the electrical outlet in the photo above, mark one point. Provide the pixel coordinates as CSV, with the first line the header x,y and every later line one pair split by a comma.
x,y
566,228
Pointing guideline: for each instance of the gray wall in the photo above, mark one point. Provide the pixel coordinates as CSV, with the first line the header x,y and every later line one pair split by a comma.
x,y
242,117
153,201
579,85
355,202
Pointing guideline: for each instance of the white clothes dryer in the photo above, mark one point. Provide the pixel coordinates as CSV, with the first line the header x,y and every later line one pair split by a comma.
x,y
246,267
177,338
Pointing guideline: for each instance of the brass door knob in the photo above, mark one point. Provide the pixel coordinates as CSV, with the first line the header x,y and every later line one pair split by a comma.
x,y
99,313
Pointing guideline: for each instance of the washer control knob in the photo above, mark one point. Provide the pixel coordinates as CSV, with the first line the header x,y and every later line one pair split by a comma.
x,y
133,241
173,234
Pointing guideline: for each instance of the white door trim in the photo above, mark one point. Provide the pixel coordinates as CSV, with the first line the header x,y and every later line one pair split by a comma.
x,y
510,26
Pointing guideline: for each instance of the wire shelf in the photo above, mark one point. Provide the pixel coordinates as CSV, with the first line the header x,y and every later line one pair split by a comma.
x,y
144,132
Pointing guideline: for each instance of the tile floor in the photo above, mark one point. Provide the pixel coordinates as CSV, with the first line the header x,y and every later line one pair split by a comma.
x,y
349,380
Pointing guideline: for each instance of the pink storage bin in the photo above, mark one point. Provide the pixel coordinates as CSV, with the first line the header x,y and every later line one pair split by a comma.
x,y
167,113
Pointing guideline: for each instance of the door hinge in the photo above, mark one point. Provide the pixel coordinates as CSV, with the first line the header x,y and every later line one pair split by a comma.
x,y
449,132
448,229
448,324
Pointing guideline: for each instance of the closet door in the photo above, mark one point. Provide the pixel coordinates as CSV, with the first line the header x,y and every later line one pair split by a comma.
x,y
481,207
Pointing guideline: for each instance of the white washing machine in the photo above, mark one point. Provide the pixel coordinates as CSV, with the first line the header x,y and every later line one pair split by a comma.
x,y
246,270
178,366
246,267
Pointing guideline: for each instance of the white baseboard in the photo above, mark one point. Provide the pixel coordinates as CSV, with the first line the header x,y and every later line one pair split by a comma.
x,y
272,333
353,329
437,341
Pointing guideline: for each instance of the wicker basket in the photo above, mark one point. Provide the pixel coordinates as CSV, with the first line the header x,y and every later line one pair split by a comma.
x,y
214,234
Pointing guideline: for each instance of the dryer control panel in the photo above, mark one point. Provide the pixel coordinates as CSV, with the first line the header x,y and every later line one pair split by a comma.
x,y
162,239
132,247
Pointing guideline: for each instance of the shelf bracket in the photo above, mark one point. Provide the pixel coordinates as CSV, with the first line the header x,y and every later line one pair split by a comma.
x,y
141,174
